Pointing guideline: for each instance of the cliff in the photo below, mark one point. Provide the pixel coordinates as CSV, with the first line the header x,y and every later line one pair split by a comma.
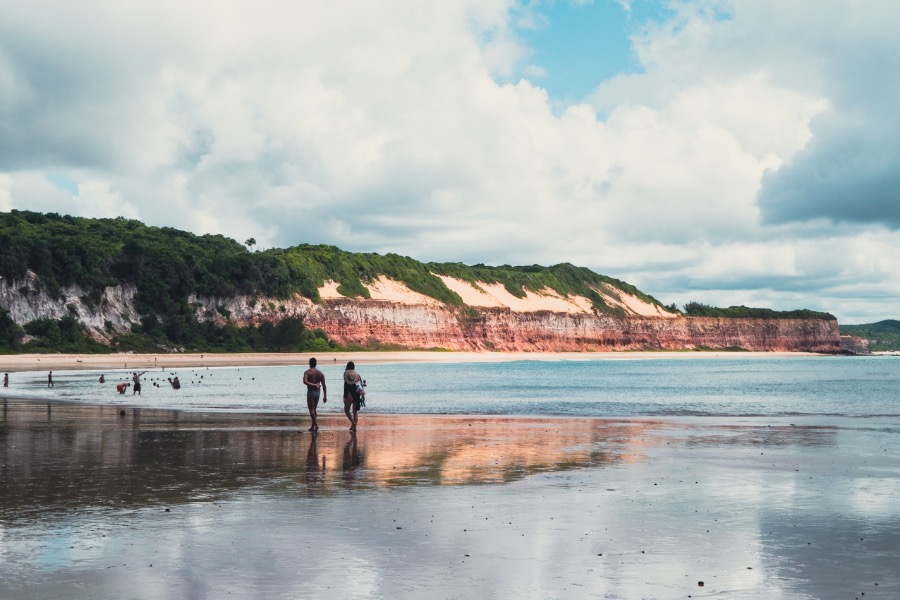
x,y
491,319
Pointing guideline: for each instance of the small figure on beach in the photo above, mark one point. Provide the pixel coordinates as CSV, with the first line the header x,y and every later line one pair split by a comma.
x,y
136,378
351,394
102,379
314,380
6,380
50,379
122,387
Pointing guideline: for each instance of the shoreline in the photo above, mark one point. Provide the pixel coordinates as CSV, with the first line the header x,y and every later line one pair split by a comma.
x,y
13,363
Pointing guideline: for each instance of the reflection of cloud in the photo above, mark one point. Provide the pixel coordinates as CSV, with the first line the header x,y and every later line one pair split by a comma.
x,y
768,436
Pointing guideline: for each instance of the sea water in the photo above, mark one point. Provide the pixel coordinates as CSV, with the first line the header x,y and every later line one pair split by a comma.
x,y
664,387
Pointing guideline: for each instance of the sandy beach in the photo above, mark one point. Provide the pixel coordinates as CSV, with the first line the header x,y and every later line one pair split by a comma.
x,y
103,502
39,362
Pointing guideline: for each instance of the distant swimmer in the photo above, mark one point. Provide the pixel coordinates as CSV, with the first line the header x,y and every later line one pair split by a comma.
x,y
314,380
102,379
122,387
176,385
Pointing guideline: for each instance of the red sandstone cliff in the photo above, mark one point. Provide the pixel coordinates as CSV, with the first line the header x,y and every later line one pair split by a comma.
x,y
364,321
492,320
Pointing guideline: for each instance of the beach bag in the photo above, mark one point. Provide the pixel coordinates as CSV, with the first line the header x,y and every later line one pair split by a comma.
x,y
361,392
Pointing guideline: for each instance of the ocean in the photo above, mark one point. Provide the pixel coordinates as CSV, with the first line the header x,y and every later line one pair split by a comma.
x,y
729,386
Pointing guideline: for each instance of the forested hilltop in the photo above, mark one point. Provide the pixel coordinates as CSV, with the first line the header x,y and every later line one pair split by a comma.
x,y
167,267
883,336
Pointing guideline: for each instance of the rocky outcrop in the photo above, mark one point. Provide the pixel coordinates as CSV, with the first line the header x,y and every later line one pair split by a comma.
x,y
430,324
112,313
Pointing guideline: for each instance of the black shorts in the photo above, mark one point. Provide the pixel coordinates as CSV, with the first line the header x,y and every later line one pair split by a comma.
x,y
350,390
312,395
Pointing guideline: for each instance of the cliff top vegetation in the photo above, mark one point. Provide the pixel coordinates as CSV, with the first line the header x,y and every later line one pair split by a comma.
x,y
697,309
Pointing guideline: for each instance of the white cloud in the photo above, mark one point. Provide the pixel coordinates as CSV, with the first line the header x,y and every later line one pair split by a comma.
x,y
390,126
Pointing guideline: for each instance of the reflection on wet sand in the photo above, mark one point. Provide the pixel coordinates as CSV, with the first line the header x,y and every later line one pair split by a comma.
x,y
94,503
65,456
75,456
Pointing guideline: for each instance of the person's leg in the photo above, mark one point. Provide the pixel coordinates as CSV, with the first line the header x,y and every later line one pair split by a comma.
x,y
313,413
348,403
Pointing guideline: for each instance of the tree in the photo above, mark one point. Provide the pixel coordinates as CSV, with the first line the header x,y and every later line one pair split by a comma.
x,y
250,242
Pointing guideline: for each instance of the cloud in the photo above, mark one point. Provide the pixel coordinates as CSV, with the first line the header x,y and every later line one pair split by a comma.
x,y
418,127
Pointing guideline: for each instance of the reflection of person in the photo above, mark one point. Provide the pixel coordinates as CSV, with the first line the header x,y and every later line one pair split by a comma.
x,y
50,379
351,394
136,379
352,460
315,473
314,380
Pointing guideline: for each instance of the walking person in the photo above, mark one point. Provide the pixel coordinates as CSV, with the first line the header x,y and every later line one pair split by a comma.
x,y
136,379
314,380
50,379
351,394
6,380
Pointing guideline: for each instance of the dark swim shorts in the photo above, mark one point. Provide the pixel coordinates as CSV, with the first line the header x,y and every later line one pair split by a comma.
x,y
312,395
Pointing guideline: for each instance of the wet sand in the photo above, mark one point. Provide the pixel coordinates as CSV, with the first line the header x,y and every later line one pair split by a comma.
x,y
59,362
171,504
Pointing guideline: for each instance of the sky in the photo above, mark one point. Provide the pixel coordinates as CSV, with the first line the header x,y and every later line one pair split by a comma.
x,y
731,152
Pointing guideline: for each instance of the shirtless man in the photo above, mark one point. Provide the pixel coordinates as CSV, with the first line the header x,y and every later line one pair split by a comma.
x,y
314,381
136,389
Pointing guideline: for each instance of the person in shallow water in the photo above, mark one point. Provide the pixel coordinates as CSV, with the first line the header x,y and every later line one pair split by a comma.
x,y
136,378
50,379
314,380
351,394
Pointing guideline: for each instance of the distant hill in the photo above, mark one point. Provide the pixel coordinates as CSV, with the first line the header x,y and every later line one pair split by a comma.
x,y
883,336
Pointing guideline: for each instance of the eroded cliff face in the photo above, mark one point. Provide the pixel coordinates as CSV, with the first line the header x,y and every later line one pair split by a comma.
x,y
500,329
412,321
505,330
114,313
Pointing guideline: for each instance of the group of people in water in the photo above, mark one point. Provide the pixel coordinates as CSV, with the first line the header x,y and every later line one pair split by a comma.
x,y
354,393
135,383
354,390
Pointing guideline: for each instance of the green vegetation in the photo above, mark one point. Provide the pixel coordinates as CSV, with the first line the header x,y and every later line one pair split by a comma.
x,y
10,333
696,309
883,336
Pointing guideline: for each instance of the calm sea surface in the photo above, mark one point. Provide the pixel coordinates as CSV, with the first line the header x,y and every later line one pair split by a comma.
x,y
727,386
